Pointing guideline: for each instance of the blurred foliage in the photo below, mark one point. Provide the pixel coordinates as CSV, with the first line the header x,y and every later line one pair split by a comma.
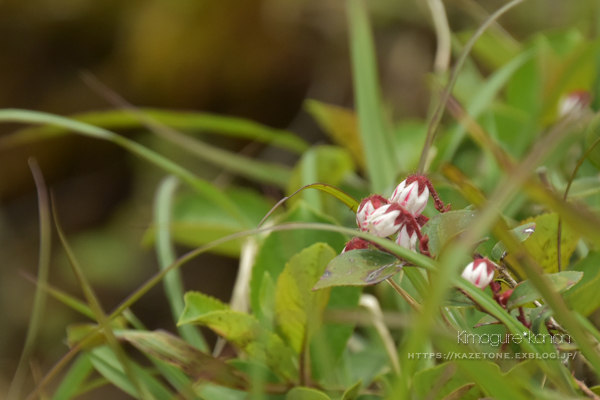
x,y
284,71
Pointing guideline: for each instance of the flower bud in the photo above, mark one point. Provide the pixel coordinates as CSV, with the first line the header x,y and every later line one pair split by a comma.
x,y
480,272
412,194
407,238
383,221
356,244
366,208
574,101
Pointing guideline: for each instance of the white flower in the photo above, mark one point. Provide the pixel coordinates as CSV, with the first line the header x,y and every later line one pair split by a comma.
x,y
407,238
411,196
480,272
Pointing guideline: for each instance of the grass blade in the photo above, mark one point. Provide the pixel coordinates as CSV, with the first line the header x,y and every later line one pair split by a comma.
x,y
100,316
439,110
39,300
166,256
185,121
204,187
376,140
72,382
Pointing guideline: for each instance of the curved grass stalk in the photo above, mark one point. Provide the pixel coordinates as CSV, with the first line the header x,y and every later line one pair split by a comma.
x,y
439,110
39,300
202,186
371,303
443,35
100,316
559,230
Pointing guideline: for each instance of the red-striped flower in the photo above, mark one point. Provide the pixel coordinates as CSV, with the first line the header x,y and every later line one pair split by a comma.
x,y
412,194
480,272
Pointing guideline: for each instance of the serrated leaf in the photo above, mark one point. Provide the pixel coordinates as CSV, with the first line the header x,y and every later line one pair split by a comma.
x,y
298,310
584,297
445,227
193,362
520,233
304,393
526,292
359,268
198,304
245,332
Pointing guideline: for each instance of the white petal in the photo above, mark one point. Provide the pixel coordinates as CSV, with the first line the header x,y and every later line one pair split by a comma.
x,y
398,191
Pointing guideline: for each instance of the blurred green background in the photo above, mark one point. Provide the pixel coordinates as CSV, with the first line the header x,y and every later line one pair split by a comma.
x,y
257,59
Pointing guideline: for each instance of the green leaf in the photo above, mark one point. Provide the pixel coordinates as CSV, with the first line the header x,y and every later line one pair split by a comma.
x,y
279,247
210,123
446,380
521,233
196,222
193,362
298,310
340,124
304,393
241,330
542,243
267,301
359,268
209,391
251,368
198,304
584,297
494,48
352,392
323,164
525,292
376,140
445,227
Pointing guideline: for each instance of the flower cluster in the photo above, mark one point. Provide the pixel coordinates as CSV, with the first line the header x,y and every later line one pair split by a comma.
x,y
399,214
